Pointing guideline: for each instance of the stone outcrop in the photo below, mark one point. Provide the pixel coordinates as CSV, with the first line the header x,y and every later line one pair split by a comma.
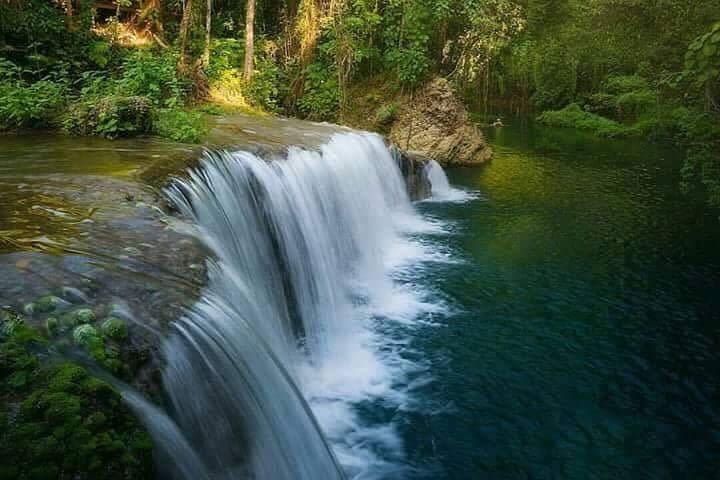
x,y
414,174
434,123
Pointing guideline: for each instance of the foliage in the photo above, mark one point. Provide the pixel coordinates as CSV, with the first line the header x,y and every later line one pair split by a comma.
x,y
408,37
26,105
702,65
321,96
555,76
180,125
573,116
151,74
111,117
386,114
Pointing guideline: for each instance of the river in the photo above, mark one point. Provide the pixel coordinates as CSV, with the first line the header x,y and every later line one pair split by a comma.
x,y
552,315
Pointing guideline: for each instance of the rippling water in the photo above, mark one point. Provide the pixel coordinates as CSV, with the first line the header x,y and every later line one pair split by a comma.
x,y
580,332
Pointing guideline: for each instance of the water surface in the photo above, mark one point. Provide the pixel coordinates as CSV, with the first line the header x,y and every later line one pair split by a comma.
x,y
581,337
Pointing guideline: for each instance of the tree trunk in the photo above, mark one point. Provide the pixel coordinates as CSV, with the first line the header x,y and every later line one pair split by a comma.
x,y
184,27
208,26
249,39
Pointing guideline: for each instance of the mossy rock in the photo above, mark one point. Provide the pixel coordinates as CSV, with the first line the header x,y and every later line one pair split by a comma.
x,y
85,335
29,308
9,323
78,317
52,325
114,328
50,303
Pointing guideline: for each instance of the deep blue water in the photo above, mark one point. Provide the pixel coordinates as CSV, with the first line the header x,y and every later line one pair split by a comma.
x,y
583,339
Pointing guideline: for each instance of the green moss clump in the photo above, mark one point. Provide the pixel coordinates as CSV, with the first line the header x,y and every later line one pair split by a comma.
x,y
78,317
52,325
114,328
56,421
50,303
85,335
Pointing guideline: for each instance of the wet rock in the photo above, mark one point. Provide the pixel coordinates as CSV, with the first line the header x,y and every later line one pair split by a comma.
x,y
412,167
435,124
74,295
29,308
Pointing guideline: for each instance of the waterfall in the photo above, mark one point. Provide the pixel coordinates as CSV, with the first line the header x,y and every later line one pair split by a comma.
x,y
438,180
440,186
301,249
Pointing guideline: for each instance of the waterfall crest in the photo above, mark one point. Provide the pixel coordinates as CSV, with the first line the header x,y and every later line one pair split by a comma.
x,y
298,243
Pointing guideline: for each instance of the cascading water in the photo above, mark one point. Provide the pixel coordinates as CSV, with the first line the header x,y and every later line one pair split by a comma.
x,y
302,247
440,186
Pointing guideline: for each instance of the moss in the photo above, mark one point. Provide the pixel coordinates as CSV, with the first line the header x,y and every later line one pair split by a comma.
x,y
85,335
78,317
114,328
50,303
64,420
52,325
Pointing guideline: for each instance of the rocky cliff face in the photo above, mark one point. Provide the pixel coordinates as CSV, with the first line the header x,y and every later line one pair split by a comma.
x,y
434,123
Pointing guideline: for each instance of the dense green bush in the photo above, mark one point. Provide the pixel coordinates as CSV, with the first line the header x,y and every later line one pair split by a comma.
x,y
180,125
24,104
573,116
110,117
151,73
321,97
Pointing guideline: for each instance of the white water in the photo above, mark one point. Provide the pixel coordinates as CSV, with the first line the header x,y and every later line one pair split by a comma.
x,y
289,327
440,186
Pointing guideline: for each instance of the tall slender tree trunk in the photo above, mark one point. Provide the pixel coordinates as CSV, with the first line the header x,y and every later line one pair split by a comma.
x,y
249,39
184,27
208,26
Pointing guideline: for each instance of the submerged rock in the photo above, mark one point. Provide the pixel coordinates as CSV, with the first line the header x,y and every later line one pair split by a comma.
x,y
435,124
74,295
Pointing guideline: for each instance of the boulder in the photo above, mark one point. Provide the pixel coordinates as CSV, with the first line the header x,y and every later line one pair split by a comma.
x,y
435,124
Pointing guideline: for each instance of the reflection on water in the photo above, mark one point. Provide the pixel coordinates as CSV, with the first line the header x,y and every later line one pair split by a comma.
x,y
586,338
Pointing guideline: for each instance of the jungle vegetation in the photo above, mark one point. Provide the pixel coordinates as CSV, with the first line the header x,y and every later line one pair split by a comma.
x,y
648,68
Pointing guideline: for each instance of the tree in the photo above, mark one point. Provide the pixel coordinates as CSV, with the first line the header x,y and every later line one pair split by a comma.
x,y
208,25
249,39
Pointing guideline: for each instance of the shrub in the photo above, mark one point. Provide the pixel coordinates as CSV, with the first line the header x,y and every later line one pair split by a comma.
x,y
180,125
573,116
151,74
26,105
110,117
386,114
321,97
